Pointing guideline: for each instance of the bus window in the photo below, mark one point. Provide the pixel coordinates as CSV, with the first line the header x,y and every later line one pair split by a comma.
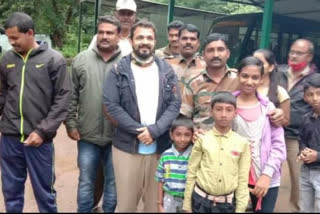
x,y
243,32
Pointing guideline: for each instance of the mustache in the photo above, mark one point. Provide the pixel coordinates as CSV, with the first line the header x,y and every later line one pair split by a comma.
x,y
145,46
188,46
104,40
215,58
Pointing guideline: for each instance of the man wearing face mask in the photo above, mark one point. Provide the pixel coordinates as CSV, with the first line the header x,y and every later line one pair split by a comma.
x,y
293,77
189,63
142,98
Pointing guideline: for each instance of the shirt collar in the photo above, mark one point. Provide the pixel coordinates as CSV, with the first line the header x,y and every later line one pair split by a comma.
x,y
193,61
114,55
186,153
227,72
302,73
218,134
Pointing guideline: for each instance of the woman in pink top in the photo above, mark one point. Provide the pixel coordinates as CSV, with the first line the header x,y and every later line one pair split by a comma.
x,y
268,149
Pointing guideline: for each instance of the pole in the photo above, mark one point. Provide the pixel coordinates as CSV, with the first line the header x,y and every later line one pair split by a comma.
x,y
170,11
266,24
80,25
96,15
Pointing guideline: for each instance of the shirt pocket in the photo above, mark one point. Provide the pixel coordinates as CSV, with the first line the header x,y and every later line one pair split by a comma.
x,y
125,93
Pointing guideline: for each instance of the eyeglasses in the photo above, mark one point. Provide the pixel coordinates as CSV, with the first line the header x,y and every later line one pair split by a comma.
x,y
298,53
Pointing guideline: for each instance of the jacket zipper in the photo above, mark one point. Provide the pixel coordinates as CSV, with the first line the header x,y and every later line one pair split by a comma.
x,y
21,94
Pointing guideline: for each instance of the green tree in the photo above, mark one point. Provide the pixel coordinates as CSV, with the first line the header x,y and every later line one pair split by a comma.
x,y
51,17
217,6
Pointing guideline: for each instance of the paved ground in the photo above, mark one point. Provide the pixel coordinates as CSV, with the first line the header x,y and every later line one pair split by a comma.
x,y
67,179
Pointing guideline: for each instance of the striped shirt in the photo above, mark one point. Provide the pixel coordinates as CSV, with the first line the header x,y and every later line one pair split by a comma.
x,y
172,170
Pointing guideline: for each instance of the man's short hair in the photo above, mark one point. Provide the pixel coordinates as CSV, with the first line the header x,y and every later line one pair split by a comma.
x,y
223,97
145,24
215,37
182,120
191,28
110,20
314,81
175,25
311,45
20,20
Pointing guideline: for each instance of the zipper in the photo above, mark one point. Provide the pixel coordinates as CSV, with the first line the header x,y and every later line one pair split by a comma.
x,y
21,93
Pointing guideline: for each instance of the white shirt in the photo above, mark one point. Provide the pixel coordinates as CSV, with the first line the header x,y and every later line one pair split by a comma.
x,y
147,90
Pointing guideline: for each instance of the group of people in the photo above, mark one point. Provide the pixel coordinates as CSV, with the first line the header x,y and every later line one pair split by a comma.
x,y
165,130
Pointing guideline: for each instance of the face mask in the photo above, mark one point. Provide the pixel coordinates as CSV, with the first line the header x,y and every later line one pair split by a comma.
x,y
296,67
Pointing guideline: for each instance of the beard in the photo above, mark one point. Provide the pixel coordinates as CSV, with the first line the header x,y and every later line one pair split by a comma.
x,y
143,54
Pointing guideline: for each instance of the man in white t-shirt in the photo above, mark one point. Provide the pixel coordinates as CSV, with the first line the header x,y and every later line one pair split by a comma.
x,y
126,13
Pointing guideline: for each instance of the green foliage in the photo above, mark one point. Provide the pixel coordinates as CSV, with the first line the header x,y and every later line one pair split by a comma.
x,y
217,6
60,18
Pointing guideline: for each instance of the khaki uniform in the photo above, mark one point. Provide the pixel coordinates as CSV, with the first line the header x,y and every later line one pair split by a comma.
x,y
165,53
197,94
186,71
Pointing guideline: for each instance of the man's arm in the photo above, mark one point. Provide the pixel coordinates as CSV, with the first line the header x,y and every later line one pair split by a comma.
x,y
172,111
3,88
71,121
193,167
61,82
242,191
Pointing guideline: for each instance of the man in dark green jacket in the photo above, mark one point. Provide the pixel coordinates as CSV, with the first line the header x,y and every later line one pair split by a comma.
x,y
85,121
35,91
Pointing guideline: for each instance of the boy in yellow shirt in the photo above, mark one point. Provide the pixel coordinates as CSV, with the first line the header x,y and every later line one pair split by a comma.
x,y
219,164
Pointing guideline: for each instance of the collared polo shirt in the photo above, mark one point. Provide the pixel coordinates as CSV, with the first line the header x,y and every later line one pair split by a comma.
x,y
172,170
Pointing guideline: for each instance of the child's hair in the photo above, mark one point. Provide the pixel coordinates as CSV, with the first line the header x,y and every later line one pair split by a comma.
x,y
223,97
182,120
314,81
251,60
274,80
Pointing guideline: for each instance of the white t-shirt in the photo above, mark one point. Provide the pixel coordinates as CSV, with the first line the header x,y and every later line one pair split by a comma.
x,y
147,90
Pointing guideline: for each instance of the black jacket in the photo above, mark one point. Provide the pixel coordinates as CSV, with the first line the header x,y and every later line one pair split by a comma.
x,y
121,102
34,92
309,136
298,107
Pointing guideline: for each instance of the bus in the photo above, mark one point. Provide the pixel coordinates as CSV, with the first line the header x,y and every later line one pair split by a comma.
x,y
243,32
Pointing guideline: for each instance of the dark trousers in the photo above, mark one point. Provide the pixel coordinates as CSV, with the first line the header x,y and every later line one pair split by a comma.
x,y
268,201
203,205
16,159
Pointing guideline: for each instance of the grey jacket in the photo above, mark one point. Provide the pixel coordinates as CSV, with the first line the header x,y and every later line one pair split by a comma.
x,y
121,102
85,112
298,107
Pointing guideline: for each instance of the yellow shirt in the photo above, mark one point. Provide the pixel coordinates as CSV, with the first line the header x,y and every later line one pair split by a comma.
x,y
219,164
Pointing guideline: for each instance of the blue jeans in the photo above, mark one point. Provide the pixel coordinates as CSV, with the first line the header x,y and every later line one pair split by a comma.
x,y
268,201
309,190
89,156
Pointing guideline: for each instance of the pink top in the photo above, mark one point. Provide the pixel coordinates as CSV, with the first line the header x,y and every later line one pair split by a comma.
x,y
250,113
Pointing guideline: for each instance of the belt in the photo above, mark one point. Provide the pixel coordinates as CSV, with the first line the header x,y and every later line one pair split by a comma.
x,y
216,199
